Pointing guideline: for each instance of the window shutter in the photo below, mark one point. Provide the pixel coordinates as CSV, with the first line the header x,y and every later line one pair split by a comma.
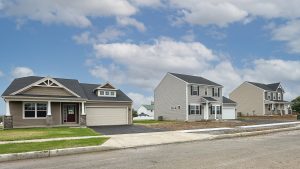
x,y
218,92
189,109
191,90
210,109
200,107
213,92
220,109
198,90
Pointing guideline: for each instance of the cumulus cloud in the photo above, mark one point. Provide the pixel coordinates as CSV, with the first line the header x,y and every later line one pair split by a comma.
x,y
139,99
77,13
21,72
144,65
126,21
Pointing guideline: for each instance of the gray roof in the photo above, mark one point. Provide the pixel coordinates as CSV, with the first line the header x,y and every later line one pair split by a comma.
x,y
210,99
228,101
195,79
149,106
85,91
270,87
89,92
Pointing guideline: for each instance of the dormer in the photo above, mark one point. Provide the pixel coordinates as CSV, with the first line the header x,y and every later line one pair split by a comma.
x,y
106,90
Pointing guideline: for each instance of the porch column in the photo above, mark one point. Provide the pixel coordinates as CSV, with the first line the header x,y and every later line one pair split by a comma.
x,y
206,112
49,113
82,109
7,113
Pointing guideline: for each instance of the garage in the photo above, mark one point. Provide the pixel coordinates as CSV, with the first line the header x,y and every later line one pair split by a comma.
x,y
228,113
102,116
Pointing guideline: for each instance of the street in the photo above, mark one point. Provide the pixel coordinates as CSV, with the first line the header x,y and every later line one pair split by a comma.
x,y
279,150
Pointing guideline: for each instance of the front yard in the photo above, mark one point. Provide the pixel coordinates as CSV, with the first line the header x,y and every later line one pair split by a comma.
x,y
44,133
49,145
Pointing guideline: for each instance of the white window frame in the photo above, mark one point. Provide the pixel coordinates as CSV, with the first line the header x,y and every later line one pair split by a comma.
x,y
196,105
269,95
279,96
35,110
194,89
215,94
218,108
107,93
274,96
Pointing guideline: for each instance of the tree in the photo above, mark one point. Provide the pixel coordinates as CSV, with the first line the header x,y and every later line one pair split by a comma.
x,y
296,104
134,113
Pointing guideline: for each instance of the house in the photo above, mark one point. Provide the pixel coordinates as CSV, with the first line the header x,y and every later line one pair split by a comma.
x,y
44,101
260,99
146,111
191,98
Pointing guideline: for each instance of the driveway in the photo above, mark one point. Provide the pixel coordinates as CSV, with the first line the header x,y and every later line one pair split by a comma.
x,y
125,129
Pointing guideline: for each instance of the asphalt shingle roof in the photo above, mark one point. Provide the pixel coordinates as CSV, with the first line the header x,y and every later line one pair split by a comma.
x,y
210,99
228,101
271,87
195,79
85,91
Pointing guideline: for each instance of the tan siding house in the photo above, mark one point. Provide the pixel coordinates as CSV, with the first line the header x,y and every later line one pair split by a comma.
x,y
257,99
44,101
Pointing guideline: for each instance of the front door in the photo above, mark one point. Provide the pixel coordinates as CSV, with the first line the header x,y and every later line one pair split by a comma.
x,y
69,113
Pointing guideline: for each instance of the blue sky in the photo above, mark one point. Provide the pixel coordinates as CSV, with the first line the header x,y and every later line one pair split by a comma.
x,y
133,43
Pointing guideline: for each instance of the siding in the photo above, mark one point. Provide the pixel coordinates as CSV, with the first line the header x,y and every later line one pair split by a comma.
x,y
16,110
171,92
249,98
48,91
114,104
197,99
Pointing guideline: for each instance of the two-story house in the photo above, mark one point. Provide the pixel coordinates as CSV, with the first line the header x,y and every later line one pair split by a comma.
x,y
191,98
260,99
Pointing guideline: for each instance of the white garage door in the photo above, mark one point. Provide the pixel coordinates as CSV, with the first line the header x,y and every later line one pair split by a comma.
x,y
98,116
228,113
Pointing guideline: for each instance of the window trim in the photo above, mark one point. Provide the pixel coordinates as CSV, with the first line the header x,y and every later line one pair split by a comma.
x,y
279,96
194,89
274,96
199,108
35,110
111,93
269,97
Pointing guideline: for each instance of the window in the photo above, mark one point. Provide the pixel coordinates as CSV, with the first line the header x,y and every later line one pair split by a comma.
x,y
269,107
194,90
269,96
106,93
35,110
218,109
112,93
279,96
195,109
215,92
101,93
274,96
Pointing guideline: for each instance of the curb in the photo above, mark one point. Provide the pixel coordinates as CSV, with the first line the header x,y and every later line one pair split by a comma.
x,y
79,150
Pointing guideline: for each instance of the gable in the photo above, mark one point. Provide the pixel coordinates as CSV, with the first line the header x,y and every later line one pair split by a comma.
x,y
107,86
46,91
46,86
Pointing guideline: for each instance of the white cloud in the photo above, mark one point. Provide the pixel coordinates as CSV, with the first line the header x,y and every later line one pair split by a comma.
x,y
144,65
148,3
77,13
1,73
126,21
139,99
21,72
290,33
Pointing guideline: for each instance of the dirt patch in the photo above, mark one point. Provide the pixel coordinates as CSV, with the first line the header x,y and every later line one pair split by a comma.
x,y
197,125
279,118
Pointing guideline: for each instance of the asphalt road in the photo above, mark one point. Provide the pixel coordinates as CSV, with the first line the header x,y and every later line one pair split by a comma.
x,y
279,150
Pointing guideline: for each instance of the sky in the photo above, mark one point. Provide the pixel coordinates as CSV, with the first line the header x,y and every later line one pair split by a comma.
x,y
134,43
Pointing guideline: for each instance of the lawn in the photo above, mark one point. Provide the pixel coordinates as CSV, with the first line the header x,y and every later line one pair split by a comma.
x,y
50,145
43,133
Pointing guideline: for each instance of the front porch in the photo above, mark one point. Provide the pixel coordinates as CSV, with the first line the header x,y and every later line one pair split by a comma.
x,y
28,113
205,111
277,108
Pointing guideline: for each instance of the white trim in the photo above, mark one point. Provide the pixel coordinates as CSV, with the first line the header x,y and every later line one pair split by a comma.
x,y
101,86
186,103
21,98
82,108
106,90
7,113
41,81
35,104
49,113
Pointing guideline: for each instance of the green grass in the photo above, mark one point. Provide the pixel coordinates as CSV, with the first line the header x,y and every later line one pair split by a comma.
x,y
149,121
43,133
50,145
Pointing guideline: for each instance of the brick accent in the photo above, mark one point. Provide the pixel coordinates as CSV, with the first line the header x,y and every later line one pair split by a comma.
x,y
8,122
82,121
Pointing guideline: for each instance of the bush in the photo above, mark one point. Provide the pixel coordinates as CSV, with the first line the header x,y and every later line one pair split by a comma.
x,y
1,119
134,113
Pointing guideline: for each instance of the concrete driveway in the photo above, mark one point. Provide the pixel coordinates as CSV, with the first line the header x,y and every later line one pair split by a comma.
x,y
125,129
